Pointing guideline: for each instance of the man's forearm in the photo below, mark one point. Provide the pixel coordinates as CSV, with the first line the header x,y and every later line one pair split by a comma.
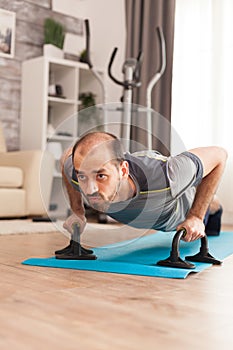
x,y
75,198
213,160
76,203
206,191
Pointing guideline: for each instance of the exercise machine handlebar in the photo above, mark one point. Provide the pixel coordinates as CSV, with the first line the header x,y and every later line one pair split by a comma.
x,y
154,80
134,64
158,74
87,57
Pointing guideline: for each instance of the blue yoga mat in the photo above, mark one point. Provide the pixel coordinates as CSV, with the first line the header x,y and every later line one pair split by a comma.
x,y
139,256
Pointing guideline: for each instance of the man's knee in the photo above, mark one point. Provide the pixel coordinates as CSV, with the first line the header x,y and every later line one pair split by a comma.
x,y
215,205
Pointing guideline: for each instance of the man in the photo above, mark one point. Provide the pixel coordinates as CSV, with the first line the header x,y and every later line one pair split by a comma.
x,y
145,189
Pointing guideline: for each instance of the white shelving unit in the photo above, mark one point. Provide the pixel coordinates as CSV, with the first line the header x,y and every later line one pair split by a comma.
x,y
41,112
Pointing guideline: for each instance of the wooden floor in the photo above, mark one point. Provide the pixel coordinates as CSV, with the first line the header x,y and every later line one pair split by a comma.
x,y
45,308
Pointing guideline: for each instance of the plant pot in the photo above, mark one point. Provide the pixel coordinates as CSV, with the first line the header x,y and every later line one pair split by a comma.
x,y
50,50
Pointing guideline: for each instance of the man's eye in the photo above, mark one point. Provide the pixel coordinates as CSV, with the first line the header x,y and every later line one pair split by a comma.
x,y
101,177
81,177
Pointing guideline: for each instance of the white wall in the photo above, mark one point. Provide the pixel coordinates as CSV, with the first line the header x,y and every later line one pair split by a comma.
x,y
108,30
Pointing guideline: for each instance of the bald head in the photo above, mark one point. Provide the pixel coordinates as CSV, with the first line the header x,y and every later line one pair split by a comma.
x,y
91,141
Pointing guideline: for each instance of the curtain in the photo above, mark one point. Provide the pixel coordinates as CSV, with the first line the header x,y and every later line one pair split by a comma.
x,y
142,19
202,106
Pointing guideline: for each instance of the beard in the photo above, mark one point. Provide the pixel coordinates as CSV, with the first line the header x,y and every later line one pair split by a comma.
x,y
101,203
98,203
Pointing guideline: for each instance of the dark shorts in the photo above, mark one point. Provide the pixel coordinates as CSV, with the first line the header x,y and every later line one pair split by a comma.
x,y
213,223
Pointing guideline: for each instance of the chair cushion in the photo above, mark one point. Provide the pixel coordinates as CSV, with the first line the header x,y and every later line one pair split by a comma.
x,y
11,177
13,202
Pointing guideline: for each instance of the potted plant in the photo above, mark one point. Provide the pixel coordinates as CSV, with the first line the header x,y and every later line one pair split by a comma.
x,y
87,99
53,38
89,115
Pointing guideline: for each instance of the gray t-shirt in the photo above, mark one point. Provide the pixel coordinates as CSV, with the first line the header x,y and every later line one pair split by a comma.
x,y
166,188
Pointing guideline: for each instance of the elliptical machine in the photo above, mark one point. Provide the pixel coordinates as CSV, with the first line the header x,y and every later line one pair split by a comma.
x,y
131,70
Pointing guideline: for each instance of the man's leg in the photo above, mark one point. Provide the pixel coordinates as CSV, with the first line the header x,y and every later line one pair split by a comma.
x,y
213,224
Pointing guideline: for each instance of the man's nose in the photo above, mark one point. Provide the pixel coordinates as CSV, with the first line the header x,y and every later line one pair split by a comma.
x,y
91,187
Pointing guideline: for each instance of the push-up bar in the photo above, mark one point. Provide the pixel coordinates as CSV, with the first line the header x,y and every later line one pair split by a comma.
x,y
74,251
174,260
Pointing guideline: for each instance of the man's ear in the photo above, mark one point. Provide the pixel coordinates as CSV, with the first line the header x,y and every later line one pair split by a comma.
x,y
124,169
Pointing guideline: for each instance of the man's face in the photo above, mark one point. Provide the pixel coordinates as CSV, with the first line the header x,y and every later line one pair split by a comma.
x,y
98,176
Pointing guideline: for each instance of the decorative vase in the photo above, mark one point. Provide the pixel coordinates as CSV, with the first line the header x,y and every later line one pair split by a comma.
x,y
50,50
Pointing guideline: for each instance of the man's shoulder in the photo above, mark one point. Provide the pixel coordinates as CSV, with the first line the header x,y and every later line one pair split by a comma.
x,y
146,155
146,159
149,168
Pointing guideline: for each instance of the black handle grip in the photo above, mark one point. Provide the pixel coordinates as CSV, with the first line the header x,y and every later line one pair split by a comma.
x,y
126,84
86,58
118,82
175,242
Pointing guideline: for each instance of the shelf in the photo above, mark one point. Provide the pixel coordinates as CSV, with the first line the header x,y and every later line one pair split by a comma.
x,y
55,118
58,100
60,138
60,62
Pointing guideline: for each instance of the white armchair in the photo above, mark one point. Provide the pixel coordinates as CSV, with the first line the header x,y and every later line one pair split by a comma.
x,y
25,181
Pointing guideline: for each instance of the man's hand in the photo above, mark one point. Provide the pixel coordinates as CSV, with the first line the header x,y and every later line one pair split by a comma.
x,y
195,228
75,220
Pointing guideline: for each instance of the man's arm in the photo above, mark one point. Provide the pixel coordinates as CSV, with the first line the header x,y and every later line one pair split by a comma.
x,y
213,160
75,199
